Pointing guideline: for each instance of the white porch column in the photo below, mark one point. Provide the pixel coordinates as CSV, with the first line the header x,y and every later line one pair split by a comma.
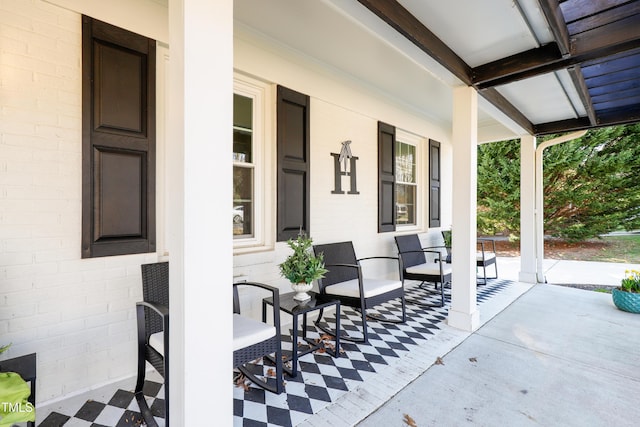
x,y
527,209
199,181
463,313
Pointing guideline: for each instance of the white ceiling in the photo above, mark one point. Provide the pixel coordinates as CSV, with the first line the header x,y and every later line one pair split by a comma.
x,y
346,36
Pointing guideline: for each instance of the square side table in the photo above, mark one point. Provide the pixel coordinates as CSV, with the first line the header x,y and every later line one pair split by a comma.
x,y
295,309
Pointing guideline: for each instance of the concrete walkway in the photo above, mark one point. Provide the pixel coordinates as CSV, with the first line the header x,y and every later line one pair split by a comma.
x,y
556,356
570,272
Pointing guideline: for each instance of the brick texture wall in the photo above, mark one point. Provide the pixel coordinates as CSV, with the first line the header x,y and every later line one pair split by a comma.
x,y
78,315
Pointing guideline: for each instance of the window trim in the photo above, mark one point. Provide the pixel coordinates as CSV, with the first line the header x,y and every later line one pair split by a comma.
x,y
262,95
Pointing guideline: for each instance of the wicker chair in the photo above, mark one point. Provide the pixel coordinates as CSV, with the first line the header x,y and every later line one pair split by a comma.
x,y
485,255
344,281
414,265
153,333
253,339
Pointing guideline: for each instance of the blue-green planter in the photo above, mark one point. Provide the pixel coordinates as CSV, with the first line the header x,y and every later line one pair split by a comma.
x,y
627,301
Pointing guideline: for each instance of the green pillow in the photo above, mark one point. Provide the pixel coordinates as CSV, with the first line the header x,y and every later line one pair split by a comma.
x,y
14,406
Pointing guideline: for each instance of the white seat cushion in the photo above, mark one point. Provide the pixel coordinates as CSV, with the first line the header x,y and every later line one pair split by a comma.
x,y
430,268
372,287
248,331
487,256
157,342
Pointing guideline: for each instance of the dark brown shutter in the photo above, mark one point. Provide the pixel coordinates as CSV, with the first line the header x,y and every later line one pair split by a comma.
x,y
118,141
293,163
434,183
386,177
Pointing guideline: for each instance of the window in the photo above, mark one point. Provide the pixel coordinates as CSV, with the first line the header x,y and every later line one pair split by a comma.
x,y
406,183
243,166
407,151
250,208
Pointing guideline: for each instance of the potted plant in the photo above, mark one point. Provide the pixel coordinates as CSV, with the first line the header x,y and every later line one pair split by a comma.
x,y
302,267
627,296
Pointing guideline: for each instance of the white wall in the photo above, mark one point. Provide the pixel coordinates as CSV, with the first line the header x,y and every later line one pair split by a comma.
x,y
77,315
341,109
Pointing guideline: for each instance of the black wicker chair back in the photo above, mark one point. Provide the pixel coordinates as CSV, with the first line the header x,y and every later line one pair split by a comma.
x,y
335,254
410,250
343,266
153,317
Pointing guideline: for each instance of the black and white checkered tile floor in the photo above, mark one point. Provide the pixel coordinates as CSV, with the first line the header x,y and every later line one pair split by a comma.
x,y
321,378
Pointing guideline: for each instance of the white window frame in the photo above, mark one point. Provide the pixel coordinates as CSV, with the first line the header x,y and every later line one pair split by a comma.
x,y
418,142
262,138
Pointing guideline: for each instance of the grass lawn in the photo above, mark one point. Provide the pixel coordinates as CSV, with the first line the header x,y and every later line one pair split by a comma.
x,y
625,249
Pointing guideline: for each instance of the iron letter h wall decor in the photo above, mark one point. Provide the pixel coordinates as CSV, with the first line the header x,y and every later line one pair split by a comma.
x,y
344,164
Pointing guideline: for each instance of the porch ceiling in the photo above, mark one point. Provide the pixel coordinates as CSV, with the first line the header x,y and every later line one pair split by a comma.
x,y
542,66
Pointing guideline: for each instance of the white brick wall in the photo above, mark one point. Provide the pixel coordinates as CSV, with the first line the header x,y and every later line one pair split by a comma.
x,y
77,315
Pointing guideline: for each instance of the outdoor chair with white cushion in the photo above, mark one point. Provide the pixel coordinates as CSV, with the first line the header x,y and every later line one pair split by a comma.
x,y
485,257
253,339
426,265
345,282
153,333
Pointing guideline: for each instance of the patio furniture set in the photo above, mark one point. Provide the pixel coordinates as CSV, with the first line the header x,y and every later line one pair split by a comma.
x,y
344,285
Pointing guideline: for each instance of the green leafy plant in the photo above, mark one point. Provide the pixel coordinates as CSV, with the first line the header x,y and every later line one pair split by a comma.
x,y
446,235
302,266
631,281
4,348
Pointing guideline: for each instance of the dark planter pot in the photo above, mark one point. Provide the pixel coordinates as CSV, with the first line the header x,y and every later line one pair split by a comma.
x,y
627,301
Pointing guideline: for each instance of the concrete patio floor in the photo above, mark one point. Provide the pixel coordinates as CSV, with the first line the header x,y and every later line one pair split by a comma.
x,y
544,355
555,357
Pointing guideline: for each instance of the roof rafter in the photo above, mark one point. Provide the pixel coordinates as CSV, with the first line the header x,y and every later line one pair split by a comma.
x,y
400,19
578,80
555,19
600,42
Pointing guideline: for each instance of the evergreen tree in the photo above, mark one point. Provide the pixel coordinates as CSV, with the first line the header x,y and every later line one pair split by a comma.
x,y
591,184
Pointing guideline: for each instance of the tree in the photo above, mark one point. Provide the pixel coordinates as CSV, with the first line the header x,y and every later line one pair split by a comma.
x,y
591,184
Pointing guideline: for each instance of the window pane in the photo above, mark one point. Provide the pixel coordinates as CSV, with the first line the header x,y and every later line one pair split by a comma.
x,y
405,183
242,129
405,204
242,175
405,163
242,202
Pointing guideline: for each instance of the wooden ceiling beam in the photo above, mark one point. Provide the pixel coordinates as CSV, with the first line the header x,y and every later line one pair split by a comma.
x,y
502,104
517,64
400,19
578,80
614,117
555,19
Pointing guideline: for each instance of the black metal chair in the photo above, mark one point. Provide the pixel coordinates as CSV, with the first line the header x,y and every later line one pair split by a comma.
x,y
344,281
253,339
153,334
415,266
486,257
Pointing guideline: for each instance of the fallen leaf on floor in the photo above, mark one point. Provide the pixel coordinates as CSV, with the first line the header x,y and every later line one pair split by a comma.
x,y
271,372
473,359
439,361
240,382
409,421
326,337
